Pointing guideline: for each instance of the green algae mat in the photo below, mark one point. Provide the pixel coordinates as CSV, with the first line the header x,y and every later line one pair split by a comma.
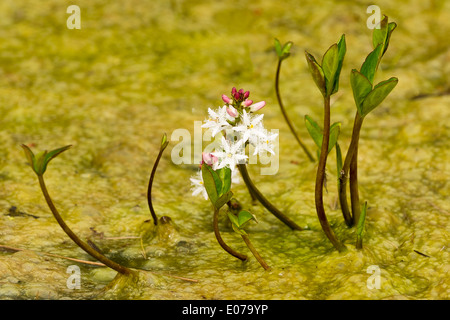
x,y
111,78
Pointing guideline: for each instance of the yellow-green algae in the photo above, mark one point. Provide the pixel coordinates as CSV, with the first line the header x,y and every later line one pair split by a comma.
x,y
138,69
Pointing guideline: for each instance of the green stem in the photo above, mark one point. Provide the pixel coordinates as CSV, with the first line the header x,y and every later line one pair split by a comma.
x,y
259,196
150,184
320,177
283,111
354,195
83,245
345,170
255,253
220,240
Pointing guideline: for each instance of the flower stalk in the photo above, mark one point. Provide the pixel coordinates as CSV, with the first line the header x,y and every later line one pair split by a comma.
x,y
285,115
164,144
254,252
220,240
39,166
320,178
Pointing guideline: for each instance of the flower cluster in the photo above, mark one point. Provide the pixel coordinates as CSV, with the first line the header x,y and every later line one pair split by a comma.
x,y
239,127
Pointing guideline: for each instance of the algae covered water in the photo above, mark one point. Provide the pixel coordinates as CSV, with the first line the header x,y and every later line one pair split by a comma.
x,y
136,70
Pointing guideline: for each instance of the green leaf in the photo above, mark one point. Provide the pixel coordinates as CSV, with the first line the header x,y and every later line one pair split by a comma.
x,y
335,129
223,199
51,155
164,142
361,87
233,219
235,224
278,47
225,177
377,95
283,51
391,27
361,221
211,182
286,52
379,34
39,163
314,130
383,34
244,217
317,73
30,157
342,49
330,63
370,65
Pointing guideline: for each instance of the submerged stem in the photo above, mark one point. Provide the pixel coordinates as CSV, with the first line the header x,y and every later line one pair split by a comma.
x,y
222,243
83,245
320,177
286,118
255,253
268,205
349,219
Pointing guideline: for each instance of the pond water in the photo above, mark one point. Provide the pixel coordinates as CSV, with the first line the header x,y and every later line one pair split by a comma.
x,y
135,71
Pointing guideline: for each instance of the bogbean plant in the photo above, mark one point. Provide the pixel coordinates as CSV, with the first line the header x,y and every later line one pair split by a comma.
x,y
240,127
367,97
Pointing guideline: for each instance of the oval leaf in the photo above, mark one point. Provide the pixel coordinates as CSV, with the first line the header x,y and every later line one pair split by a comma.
x,y
223,199
380,32
335,129
278,47
210,181
30,156
316,72
244,217
377,95
164,141
342,49
370,65
314,130
225,177
361,87
330,64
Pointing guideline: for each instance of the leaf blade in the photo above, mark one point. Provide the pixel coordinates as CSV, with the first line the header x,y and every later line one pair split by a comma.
x,y
377,95
316,72
361,87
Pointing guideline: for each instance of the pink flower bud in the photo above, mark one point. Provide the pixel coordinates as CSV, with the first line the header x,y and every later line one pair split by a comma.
x,y
232,111
257,106
246,94
226,99
247,103
209,158
233,91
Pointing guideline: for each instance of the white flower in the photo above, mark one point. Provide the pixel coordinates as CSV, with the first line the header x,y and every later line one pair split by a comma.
x,y
265,143
198,185
250,127
217,120
231,154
